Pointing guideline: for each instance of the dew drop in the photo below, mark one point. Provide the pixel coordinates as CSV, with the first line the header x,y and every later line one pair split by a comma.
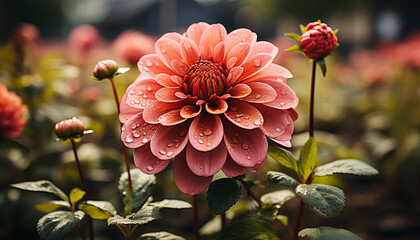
x,y
129,139
143,104
149,168
169,145
136,134
162,152
252,170
208,144
136,101
257,62
145,68
144,96
245,146
163,50
258,122
176,145
133,126
235,140
283,92
243,39
149,63
149,88
208,132
144,133
201,167
238,115
233,108
282,104
279,129
238,119
246,124
241,162
131,92
157,64
123,128
200,134
200,141
249,157
183,133
258,96
176,140
169,154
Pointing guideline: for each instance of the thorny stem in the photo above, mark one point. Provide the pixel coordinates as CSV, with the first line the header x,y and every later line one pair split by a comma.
x,y
127,159
196,219
250,193
82,178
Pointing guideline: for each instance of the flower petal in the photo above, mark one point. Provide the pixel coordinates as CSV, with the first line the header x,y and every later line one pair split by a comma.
x,y
195,31
190,111
246,147
278,123
165,80
212,36
254,64
173,36
136,132
179,67
286,97
167,94
206,132
283,143
257,166
168,50
206,163
264,47
219,53
244,115
152,65
240,35
273,72
186,180
232,169
156,109
234,75
127,111
168,142
171,118
240,91
189,51
147,162
240,52
260,93
141,93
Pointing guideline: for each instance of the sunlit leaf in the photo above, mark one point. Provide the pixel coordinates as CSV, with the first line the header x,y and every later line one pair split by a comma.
x,y
223,194
307,158
328,199
171,203
277,197
160,236
283,157
349,166
98,209
75,195
51,206
57,225
295,48
250,229
327,233
42,186
279,179
293,36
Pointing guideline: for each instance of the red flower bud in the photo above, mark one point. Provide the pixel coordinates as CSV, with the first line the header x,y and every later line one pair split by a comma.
x,y
12,114
70,128
105,69
318,41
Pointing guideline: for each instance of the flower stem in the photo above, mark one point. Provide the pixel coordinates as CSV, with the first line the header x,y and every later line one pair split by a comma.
x,y
299,219
250,193
311,101
82,232
196,218
223,219
82,178
127,159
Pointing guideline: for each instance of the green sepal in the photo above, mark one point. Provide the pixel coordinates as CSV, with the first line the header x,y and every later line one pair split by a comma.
x,y
57,225
347,166
302,28
223,193
307,158
101,210
335,32
42,186
295,48
327,233
293,36
283,156
52,206
322,65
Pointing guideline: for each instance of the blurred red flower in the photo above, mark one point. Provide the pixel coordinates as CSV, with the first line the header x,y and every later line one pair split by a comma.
x,y
84,38
208,99
131,45
12,114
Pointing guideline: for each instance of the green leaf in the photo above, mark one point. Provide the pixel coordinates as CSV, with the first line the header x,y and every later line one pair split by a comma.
x,y
250,229
302,28
57,225
223,194
322,65
278,179
349,166
143,216
171,203
335,32
143,185
295,48
160,236
293,36
75,195
98,209
277,197
327,233
328,199
42,186
51,206
283,219
284,157
307,158
147,212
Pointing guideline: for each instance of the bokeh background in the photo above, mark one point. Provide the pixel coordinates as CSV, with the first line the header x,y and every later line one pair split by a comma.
x,y
367,107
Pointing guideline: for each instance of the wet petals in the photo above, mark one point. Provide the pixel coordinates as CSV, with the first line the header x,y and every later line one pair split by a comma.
x,y
147,162
232,169
240,91
278,123
286,97
168,50
190,111
206,132
168,94
136,132
171,118
218,106
254,64
141,93
206,163
212,36
244,115
260,93
152,65
156,109
168,142
195,31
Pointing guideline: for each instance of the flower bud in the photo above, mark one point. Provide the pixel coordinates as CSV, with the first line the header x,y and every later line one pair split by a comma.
x,y
318,41
70,128
105,69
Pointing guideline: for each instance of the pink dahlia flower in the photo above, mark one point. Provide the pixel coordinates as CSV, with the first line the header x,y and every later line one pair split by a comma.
x,y
208,99
131,45
12,114
84,38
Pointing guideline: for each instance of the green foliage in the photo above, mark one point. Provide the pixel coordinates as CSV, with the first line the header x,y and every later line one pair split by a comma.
x,y
160,236
58,224
322,65
143,185
283,157
223,194
278,179
328,199
250,229
349,166
295,48
98,209
293,36
76,194
171,203
143,216
42,186
307,158
272,202
51,206
327,233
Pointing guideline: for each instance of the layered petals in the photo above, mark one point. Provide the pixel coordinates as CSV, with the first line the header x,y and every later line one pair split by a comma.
x,y
205,132
206,163
168,142
232,169
141,93
244,115
147,162
286,98
136,132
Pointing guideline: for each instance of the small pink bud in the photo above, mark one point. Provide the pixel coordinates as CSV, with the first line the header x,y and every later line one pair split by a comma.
x,y
70,128
318,41
105,69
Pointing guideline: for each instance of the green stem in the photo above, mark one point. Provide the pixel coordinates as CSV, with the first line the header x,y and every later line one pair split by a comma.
x,y
82,178
196,218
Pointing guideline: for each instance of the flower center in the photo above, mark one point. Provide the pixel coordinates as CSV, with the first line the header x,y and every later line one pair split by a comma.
x,y
205,79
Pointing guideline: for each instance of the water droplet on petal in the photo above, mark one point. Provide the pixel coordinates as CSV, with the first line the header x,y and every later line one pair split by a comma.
x,y
149,63
235,140
258,122
200,134
200,141
136,134
129,139
157,64
144,96
123,128
238,119
238,115
183,132
282,104
249,157
131,92
208,132
252,170
149,88
163,50
133,126
169,154
233,108
162,152
257,62
169,145
143,104
176,140
258,96
283,92
145,68
136,101
144,140
279,129
245,146
149,168
208,144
